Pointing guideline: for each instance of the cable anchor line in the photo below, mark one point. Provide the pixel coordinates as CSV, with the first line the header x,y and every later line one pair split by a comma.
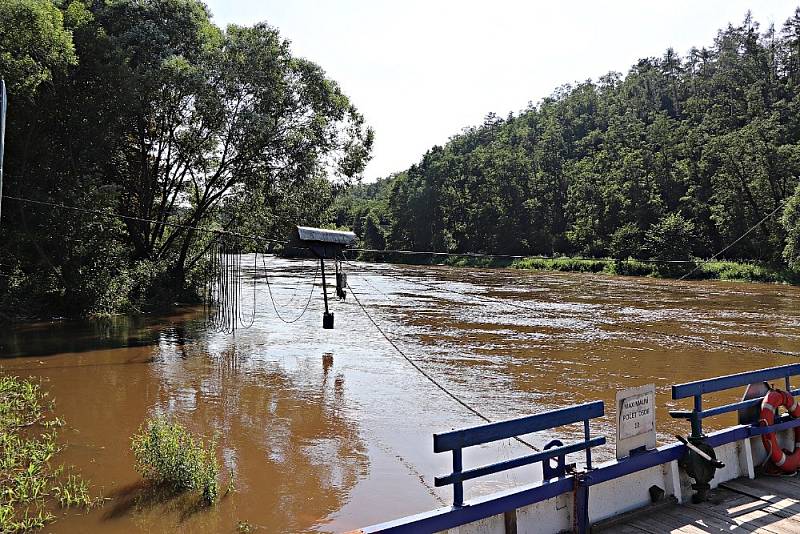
x,y
427,375
756,225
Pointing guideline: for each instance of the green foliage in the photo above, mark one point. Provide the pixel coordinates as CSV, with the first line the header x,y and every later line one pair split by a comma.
x,y
676,159
791,221
578,265
468,261
34,45
153,112
167,453
31,484
671,238
627,241
717,270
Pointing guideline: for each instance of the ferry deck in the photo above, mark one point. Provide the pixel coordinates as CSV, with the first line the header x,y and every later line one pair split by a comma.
x,y
711,482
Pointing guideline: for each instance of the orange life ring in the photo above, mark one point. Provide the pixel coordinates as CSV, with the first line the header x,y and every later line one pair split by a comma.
x,y
787,461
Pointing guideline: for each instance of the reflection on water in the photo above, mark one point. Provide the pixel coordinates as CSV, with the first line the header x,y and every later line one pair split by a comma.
x,y
331,430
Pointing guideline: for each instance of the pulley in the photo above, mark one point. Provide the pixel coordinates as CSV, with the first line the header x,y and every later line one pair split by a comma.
x,y
327,244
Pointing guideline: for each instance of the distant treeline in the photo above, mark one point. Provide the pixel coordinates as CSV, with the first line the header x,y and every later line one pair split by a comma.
x,y
676,159
153,120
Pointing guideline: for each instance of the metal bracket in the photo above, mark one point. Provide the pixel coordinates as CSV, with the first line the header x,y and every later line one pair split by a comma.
x,y
700,462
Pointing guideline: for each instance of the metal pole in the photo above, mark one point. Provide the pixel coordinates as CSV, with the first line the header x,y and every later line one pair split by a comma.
x,y
582,503
324,288
2,136
587,437
696,420
327,317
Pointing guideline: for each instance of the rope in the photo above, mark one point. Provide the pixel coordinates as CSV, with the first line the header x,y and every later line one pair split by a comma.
x,y
448,290
759,223
272,298
295,291
720,342
225,287
432,380
253,315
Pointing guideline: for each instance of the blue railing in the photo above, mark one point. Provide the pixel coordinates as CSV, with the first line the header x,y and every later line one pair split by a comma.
x,y
579,482
457,440
698,388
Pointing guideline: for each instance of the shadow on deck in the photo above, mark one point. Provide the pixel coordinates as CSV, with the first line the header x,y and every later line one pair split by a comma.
x,y
763,505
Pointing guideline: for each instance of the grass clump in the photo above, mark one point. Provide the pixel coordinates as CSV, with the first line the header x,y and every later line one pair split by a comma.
x,y
579,265
714,270
472,261
31,486
167,454
749,272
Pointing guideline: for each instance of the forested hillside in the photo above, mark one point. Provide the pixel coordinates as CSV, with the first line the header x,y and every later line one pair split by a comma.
x,y
677,158
152,120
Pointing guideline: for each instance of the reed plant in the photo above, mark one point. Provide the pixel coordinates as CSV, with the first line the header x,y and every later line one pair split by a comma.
x,y
32,485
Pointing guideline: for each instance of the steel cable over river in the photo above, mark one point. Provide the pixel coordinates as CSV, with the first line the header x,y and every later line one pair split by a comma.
x,y
328,430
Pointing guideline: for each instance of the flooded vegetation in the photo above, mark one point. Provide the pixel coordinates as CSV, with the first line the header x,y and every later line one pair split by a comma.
x,y
329,430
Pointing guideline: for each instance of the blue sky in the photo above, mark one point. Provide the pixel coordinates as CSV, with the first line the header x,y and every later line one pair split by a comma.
x,y
422,70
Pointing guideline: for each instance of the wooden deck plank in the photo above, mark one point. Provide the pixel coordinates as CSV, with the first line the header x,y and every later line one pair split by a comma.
x,y
766,487
794,480
711,522
668,523
778,495
760,520
763,506
623,529
743,513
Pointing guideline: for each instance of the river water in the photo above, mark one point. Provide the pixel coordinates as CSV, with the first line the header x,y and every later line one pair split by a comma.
x,y
330,430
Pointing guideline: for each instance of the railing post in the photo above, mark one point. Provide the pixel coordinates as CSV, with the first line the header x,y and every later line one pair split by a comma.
x,y
697,421
458,486
581,503
587,438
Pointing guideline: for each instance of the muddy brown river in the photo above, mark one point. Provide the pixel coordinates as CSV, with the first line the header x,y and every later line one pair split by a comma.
x,y
329,430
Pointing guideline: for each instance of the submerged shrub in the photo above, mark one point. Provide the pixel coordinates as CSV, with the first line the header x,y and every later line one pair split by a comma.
x,y
167,453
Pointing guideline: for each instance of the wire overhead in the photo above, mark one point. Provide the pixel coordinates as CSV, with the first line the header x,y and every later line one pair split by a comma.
x,y
272,297
223,286
749,230
403,252
202,229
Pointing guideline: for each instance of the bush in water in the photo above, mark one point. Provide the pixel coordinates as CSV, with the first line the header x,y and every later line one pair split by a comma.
x,y
166,453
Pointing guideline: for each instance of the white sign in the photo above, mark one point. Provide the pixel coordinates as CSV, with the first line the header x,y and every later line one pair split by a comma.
x,y
636,419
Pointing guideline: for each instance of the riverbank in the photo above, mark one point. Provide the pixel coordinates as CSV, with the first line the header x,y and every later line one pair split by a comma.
x,y
713,270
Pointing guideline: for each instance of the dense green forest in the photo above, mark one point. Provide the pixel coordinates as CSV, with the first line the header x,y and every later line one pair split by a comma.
x,y
153,120
156,120
676,159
